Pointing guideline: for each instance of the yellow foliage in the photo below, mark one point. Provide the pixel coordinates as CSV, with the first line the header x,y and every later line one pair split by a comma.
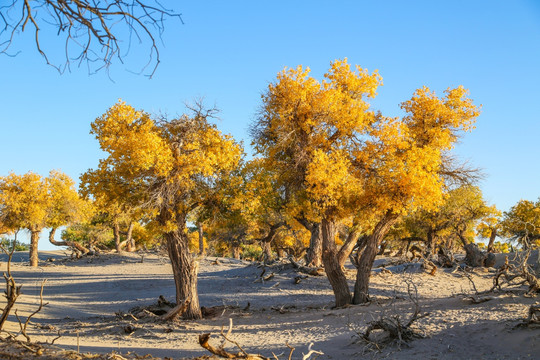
x,y
337,158
162,167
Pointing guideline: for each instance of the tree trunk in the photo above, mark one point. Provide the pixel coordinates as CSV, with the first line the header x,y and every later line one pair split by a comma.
x,y
492,237
474,256
34,238
66,243
333,269
347,247
201,240
236,251
185,272
430,245
117,242
314,253
267,251
365,263
129,238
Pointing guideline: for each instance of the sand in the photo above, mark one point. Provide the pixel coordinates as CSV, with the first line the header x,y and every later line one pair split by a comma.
x,y
89,300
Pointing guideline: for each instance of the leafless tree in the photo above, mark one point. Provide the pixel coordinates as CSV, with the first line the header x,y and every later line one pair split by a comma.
x,y
93,31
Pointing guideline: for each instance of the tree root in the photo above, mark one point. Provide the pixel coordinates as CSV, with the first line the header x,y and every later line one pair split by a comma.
x,y
394,328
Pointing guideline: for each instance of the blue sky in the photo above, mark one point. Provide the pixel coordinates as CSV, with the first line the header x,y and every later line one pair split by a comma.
x,y
228,52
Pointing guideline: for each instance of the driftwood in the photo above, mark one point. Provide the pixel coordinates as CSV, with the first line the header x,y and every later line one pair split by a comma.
x,y
176,311
511,272
395,328
314,271
445,257
204,341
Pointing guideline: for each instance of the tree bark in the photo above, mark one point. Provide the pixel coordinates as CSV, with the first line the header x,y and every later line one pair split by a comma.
x,y
430,245
185,272
267,251
474,256
347,247
201,240
236,251
129,238
266,242
333,269
34,239
492,237
314,253
365,263
117,242
72,244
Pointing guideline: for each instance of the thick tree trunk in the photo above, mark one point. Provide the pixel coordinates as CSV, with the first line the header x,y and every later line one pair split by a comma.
x,y
474,256
201,240
34,239
185,272
492,237
365,263
66,243
332,267
314,253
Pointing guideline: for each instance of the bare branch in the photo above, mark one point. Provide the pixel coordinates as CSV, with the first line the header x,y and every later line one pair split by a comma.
x,y
92,29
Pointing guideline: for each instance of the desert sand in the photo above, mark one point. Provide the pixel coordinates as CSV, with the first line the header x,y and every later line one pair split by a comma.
x,y
89,302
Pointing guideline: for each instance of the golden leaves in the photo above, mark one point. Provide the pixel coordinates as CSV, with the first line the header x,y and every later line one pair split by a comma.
x,y
334,154
163,166
33,202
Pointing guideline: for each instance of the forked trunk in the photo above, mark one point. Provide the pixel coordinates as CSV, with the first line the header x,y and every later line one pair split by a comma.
x,y
314,253
332,267
130,242
365,263
185,273
34,238
71,244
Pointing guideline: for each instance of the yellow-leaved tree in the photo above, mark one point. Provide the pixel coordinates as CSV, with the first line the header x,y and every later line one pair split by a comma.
x,y
24,200
167,167
338,158
33,202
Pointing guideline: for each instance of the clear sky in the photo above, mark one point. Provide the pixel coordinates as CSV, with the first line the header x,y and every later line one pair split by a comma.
x,y
228,52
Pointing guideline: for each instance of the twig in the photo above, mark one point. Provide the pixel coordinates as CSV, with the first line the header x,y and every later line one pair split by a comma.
x,y
311,352
41,305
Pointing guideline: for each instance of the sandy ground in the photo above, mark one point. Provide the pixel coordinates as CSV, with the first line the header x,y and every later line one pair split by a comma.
x,y
88,299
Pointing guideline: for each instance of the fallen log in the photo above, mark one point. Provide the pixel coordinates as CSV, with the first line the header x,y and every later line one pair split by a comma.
x,y
314,271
